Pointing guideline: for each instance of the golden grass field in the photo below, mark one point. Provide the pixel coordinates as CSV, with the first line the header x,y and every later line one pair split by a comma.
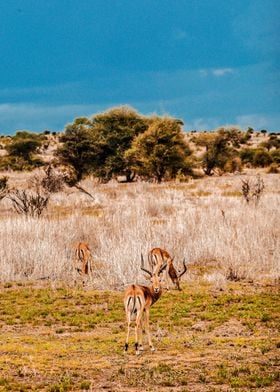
x,y
216,335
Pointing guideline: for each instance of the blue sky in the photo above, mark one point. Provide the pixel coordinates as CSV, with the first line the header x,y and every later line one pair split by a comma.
x,y
208,62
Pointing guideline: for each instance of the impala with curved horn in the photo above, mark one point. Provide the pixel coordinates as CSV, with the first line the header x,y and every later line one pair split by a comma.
x,y
137,302
157,257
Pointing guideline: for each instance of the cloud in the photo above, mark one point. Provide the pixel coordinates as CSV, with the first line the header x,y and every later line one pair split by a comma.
x,y
180,35
222,71
202,98
203,123
259,121
218,72
38,117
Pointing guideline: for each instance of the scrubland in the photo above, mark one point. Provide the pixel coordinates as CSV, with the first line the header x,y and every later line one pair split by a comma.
x,y
220,333
205,221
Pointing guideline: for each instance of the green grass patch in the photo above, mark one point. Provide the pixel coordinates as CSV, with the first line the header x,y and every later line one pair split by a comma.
x,y
68,339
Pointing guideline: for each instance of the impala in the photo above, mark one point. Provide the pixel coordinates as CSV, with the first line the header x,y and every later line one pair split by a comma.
x,y
157,257
137,302
83,260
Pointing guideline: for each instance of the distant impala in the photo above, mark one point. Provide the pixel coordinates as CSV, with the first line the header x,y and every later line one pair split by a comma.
x,y
157,257
83,260
137,302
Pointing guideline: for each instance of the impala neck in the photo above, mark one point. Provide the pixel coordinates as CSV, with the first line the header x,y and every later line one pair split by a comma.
x,y
155,296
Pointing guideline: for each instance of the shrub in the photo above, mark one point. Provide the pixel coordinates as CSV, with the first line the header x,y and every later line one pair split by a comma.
x,y
29,203
19,163
273,168
3,187
244,139
275,155
233,165
262,158
252,192
247,155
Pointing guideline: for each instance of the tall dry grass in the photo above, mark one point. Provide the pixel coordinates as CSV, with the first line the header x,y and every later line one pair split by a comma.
x,y
205,221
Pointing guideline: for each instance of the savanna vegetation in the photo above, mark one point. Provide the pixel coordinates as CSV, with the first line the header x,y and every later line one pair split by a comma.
x,y
125,183
122,142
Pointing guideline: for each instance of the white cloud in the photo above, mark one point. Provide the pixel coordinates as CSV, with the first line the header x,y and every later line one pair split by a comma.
x,y
222,71
37,117
180,35
203,123
215,72
203,73
258,121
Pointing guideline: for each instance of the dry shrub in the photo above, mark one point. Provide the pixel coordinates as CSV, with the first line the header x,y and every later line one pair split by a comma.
x,y
273,168
3,187
252,192
29,203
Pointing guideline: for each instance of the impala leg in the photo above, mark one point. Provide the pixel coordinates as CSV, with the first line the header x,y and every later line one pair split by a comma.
x,y
137,324
137,327
166,273
141,335
127,335
177,283
90,272
147,329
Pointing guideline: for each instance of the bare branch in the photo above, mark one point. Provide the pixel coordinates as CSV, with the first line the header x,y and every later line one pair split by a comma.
x,y
28,203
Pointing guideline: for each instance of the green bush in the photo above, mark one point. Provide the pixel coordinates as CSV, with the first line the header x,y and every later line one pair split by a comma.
x,y
233,165
247,155
275,155
262,159
19,164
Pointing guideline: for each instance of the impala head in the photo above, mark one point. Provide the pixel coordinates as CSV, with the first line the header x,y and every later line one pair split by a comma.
x,y
156,283
153,277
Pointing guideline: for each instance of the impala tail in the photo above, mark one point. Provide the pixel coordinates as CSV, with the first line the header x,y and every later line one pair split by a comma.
x,y
133,304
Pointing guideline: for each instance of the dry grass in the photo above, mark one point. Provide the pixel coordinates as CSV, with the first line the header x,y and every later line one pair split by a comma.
x,y
206,221
213,336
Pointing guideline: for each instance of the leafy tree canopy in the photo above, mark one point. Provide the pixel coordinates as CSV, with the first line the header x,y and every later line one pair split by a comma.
x,y
161,151
220,147
97,145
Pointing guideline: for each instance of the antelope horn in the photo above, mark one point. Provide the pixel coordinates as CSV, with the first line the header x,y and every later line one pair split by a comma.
x,y
162,268
184,270
142,266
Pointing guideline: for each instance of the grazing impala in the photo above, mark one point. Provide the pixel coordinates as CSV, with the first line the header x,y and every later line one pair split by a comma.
x,y
83,260
157,257
137,302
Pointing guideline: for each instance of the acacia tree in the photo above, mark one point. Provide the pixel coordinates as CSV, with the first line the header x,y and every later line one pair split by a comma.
x,y
112,134
220,149
97,146
161,151
77,150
